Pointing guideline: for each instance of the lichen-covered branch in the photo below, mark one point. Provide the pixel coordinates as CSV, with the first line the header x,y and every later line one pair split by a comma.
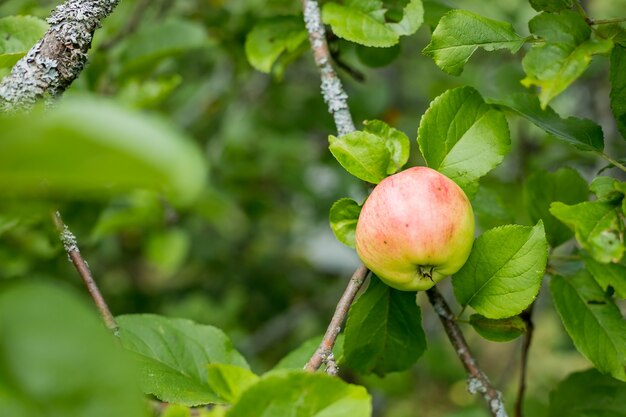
x,y
477,381
332,90
324,353
73,253
57,58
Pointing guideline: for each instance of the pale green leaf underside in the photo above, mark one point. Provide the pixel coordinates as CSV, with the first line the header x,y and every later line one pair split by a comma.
x,y
460,33
271,38
344,215
593,321
365,24
17,35
498,330
463,137
504,271
173,355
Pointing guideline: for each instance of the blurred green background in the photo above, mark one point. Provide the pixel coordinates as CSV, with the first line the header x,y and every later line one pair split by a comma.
x,y
255,255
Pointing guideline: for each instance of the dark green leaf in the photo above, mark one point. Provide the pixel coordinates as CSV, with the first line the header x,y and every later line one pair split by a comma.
x,y
566,53
271,38
588,394
551,5
463,137
542,188
17,35
460,33
490,209
344,215
584,134
618,87
597,226
384,331
608,275
58,360
174,354
593,321
88,147
302,394
504,271
500,330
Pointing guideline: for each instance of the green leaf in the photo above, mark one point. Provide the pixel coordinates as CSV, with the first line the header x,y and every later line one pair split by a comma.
x,y
397,143
434,11
344,215
154,42
271,38
377,57
500,330
91,147
503,273
58,360
302,394
383,331
551,5
229,381
490,209
542,188
608,275
566,53
17,35
460,33
463,137
604,189
584,134
362,154
364,22
617,77
597,226
593,321
174,354
167,249
587,394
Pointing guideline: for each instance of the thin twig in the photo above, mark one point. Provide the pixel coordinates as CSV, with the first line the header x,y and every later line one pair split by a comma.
x,y
57,59
332,90
616,163
607,21
324,352
71,247
477,381
526,315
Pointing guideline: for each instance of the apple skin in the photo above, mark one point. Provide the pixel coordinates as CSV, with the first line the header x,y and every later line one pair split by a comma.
x,y
415,228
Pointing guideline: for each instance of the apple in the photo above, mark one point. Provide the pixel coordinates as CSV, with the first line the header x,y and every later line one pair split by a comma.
x,y
415,228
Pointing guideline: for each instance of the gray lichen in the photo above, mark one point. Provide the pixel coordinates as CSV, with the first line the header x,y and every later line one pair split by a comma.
x,y
69,241
56,60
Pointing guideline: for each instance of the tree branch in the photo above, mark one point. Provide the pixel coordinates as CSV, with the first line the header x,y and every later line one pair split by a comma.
x,y
526,315
332,90
477,380
58,58
71,247
324,353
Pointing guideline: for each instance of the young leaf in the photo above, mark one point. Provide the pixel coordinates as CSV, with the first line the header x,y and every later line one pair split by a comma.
x,y
397,143
584,134
229,381
344,215
618,87
173,355
566,53
551,5
588,393
463,137
302,394
460,33
593,321
503,273
597,226
500,330
91,147
362,154
17,35
608,275
57,359
542,188
364,22
271,38
384,331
